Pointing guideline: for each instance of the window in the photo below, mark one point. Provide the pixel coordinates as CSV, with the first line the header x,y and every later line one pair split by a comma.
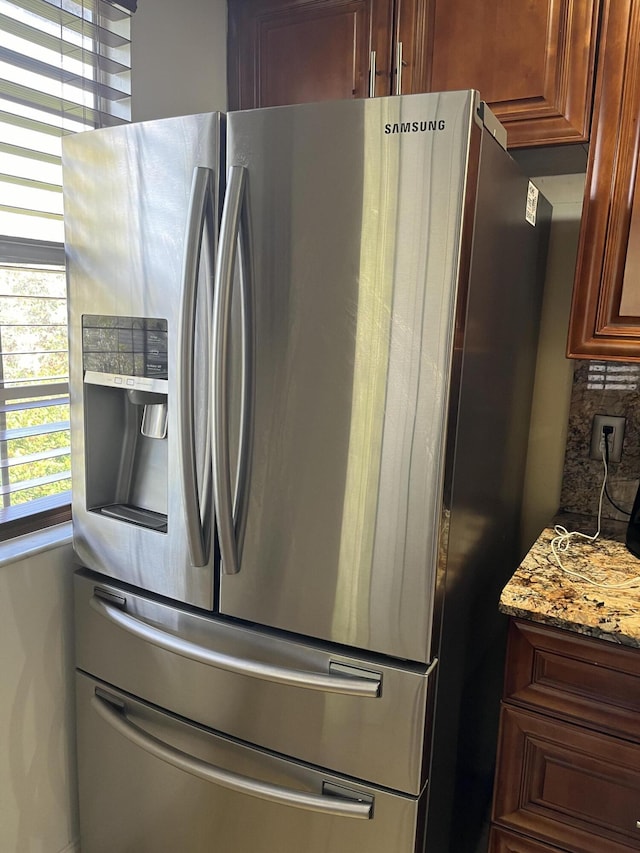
x,y
64,68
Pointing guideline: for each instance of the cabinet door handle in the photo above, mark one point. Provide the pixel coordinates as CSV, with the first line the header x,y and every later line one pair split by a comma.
x,y
399,65
372,74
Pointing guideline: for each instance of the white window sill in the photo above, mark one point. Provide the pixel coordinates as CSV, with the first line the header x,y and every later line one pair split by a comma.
x,y
30,544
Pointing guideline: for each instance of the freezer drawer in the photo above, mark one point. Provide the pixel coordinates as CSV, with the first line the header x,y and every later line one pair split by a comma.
x,y
362,716
153,783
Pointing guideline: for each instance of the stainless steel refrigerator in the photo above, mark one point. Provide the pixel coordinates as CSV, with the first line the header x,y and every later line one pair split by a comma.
x,y
302,351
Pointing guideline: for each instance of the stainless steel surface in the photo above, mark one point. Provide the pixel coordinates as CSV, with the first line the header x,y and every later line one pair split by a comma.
x,y
374,326
117,719
201,205
491,123
154,420
372,74
245,323
481,548
362,686
225,267
126,197
135,383
398,68
355,212
131,800
379,738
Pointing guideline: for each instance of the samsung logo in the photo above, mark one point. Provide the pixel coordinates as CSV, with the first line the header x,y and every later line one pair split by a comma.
x,y
415,126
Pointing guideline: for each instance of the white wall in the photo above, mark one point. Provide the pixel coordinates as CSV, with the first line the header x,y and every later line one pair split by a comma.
x,y
179,58
554,372
179,67
37,772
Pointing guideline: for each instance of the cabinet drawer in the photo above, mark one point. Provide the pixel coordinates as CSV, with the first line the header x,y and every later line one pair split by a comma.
x,y
592,682
562,785
508,842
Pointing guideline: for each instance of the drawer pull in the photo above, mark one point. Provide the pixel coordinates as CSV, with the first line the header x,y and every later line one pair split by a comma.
x,y
638,824
365,684
337,801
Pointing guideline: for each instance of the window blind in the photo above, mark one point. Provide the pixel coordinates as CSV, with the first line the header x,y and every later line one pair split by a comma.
x,y
64,68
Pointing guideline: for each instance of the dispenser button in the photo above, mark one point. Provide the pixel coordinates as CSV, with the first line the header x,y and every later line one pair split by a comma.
x,y
117,380
131,382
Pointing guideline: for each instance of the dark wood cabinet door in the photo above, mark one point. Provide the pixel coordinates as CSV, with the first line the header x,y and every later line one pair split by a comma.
x,y
507,842
578,679
566,786
532,62
291,52
605,313
568,775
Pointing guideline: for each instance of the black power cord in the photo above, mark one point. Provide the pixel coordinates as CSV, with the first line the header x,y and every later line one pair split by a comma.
x,y
607,430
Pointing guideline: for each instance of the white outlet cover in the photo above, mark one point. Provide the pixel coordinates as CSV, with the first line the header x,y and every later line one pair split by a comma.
x,y
615,440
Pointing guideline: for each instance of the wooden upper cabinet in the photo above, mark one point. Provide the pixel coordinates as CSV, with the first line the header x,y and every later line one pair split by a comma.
x,y
605,313
532,60
291,52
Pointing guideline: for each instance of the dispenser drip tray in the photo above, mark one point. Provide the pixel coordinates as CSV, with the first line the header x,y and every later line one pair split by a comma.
x,y
136,515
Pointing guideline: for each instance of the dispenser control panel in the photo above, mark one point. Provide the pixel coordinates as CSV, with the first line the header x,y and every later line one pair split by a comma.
x,y
124,346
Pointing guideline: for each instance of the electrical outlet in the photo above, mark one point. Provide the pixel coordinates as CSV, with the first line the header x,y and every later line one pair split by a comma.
x,y
615,436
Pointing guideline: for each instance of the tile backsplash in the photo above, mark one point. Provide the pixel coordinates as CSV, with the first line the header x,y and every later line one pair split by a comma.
x,y
602,388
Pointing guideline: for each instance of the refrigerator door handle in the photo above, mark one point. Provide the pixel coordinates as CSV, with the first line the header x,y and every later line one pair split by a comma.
x,y
329,804
399,65
365,684
225,263
195,508
372,74
246,375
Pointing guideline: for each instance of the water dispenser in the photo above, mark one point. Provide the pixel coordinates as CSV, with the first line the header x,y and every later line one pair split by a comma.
x,y
126,399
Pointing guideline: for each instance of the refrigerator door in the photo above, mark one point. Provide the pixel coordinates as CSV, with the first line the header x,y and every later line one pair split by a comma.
x,y
354,214
141,227
150,782
361,716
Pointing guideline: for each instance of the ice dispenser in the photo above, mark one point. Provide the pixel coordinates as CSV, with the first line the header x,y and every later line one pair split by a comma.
x,y
125,401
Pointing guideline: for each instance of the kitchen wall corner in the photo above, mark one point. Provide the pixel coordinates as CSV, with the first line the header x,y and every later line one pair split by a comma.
x,y
554,372
179,58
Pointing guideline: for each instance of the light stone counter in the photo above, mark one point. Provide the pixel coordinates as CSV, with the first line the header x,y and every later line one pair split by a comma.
x,y
540,591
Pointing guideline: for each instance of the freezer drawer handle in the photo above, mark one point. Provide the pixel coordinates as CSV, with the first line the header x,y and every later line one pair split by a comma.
x,y
366,686
329,804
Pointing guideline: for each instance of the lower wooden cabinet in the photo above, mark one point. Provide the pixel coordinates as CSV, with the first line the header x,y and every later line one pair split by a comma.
x,y
508,842
568,776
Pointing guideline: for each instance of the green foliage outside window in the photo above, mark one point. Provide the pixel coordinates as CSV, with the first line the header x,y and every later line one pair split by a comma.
x,y
33,341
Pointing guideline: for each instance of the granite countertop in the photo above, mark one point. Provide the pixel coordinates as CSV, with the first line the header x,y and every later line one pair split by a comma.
x,y
540,591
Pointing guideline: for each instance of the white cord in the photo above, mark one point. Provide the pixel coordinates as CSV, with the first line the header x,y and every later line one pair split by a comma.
x,y
560,543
